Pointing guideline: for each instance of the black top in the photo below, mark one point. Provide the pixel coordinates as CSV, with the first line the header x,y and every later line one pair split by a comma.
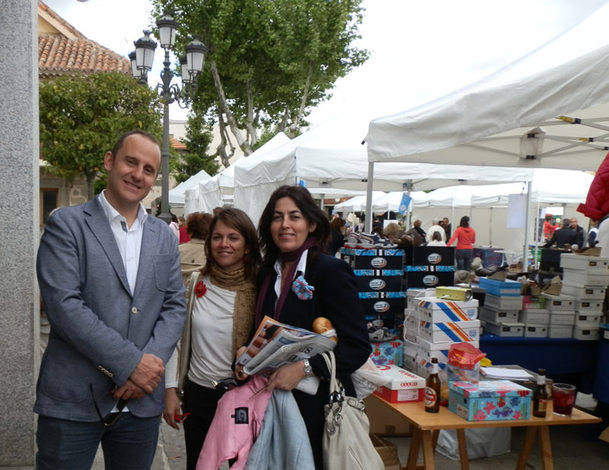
x,y
336,242
335,298
579,237
562,236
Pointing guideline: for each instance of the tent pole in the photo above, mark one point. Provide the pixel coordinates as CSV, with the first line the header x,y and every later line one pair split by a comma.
x,y
368,225
408,191
321,204
538,235
490,226
525,249
452,213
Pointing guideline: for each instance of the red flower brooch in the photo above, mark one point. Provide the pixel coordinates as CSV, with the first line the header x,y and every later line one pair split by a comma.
x,y
200,289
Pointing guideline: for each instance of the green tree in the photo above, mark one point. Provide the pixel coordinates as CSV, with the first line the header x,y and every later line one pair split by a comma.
x,y
269,61
82,116
195,159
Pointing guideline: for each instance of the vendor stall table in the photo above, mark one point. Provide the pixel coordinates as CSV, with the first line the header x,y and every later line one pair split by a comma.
x,y
561,357
426,424
601,382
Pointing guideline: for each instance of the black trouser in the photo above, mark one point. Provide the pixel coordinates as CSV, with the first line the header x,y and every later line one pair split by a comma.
x,y
464,259
312,411
201,403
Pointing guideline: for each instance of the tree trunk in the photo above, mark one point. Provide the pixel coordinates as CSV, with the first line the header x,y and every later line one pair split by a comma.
x,y
251,130
303,103
224,142
232,123
284,121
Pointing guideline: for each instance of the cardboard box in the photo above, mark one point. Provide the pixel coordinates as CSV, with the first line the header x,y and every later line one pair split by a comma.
x,y
498,315
535,331
510,330
382,295
587,334
535,317
557,303
503,303
533,302
373,258
387,307
388,353
426,279
379,280
434,310
494,400
581,278
454,293
589,306
384,421
505,288
450,332
387,451
588,320
431,255
584,292
591,264
560,331
562,318
402,385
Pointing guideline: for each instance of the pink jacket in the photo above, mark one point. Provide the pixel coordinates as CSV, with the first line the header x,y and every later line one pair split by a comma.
x,y
235,426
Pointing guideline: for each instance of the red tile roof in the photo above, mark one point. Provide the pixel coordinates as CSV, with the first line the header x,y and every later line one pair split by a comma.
x,y
71,52
176,144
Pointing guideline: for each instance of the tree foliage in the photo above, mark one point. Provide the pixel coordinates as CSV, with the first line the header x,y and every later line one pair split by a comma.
x,y
269,61
82,116
196,158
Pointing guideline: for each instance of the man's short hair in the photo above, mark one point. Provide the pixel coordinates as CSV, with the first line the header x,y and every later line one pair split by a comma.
x,y
121,140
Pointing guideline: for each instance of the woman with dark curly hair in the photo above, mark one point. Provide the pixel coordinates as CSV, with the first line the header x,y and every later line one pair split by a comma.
x,y
192,253
293,231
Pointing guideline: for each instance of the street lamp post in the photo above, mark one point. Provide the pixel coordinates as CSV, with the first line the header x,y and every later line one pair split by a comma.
x,y
192,65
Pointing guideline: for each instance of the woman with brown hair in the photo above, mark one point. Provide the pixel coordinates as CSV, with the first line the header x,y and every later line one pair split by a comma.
x,y
192,253
299,283
221,302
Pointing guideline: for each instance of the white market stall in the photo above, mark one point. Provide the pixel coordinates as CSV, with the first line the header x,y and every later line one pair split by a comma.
x,y
177,194
507,120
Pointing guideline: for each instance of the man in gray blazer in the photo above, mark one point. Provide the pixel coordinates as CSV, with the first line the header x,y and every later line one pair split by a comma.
x,y
110,280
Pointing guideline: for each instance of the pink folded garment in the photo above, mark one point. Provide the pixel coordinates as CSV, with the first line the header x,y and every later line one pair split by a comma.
x,y
235,426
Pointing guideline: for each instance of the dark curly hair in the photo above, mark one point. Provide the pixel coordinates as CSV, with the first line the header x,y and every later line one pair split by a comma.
x,y
310,211
238,220
197,225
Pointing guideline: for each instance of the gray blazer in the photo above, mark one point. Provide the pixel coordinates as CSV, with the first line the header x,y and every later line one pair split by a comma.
x,y
99,331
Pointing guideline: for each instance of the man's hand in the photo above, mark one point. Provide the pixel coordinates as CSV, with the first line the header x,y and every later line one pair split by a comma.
x,y
172,407
148,373
129,391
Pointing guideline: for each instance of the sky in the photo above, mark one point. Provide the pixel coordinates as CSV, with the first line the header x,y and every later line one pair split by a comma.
x,y
419,50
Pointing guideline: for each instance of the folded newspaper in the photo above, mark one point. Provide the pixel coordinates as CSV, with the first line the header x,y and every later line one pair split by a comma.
x,y
276,344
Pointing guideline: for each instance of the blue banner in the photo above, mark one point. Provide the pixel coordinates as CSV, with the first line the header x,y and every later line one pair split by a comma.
x,y
404,203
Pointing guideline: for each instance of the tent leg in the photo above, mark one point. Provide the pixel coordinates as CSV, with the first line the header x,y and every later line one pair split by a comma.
x,y
321,204
490,226
538,235
369,186
525,249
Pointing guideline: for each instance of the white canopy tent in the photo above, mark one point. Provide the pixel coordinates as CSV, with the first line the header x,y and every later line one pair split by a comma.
x,y
177,194
332,156
509,119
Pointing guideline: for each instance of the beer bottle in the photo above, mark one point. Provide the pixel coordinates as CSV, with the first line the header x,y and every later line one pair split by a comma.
x,y
432,388
540,395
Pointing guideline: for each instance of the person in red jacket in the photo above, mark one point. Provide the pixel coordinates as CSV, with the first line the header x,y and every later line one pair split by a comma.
x,y
466,237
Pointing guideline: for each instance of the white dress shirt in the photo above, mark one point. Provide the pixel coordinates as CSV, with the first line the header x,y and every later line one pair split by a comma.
x,y
129,241
301,268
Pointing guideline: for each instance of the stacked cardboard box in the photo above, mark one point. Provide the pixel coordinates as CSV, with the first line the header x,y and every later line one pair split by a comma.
x,y
429,266
535,317
502,305
585,279
379,273
433,326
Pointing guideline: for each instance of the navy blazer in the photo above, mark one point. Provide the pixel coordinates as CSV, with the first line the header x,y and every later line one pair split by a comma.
x,y
99,330
335,298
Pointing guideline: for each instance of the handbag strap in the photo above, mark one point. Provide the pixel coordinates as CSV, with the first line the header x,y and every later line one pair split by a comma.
x,y
331,364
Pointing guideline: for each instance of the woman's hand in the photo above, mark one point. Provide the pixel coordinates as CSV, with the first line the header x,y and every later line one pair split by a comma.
x,y
239,374
286,377
172,407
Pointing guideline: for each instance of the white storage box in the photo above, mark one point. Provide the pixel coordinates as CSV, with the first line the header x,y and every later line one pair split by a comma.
x,y
588,320
428,350
435,310
579,277
562,318
589,334
559,302
505,329
450,332
560,331
584,292
589,306
536,316
591,264
503,303
498,316
535,331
